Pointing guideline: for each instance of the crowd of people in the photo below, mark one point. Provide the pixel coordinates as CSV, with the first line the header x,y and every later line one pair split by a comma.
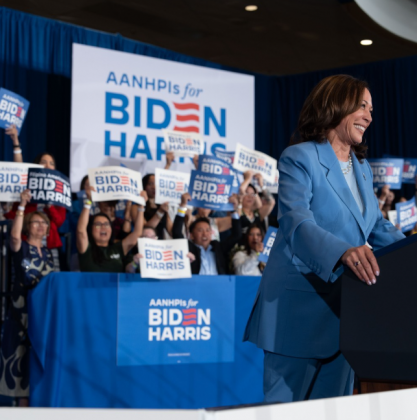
x,y
104,238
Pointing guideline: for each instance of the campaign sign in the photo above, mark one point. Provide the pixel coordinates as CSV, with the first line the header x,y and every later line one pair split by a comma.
x,y
211,191
392,217
170,186
247,159
13,179
409,171
268,242
13,109
115,183
164,259
213,165
48,186
183,144
406,215
387,171
229,157
186,321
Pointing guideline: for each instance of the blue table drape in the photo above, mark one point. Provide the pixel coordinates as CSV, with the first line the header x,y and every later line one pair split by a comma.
x,y
73,330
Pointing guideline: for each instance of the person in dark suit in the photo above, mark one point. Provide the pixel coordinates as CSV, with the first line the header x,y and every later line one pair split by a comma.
x,y
211,257
328,214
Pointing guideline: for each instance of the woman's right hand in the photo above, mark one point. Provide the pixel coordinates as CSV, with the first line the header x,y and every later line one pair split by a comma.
x,y
362,262
25,197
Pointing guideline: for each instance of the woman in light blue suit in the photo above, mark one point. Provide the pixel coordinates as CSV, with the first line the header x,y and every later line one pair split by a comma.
x,y
327,214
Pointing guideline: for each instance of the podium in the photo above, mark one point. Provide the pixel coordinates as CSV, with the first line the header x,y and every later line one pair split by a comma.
x,y
378,323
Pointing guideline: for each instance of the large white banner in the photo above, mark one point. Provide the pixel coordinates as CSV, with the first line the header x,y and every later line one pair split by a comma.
x,y
121,102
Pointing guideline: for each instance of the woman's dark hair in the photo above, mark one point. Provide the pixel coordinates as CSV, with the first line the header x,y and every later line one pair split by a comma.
x,y
197,221
145,180
246,236
334,98
83,181
253,187
39,157
96,252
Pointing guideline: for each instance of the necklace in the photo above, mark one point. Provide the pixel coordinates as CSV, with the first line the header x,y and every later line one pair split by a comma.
x,y
349,167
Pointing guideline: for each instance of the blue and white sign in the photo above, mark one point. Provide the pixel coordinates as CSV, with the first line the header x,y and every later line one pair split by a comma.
x,y
409,171
258,162
268,242
186,321
387,171
48,186
13,109
164,260
406,215
13,180
213,165
170,186
183,144
211,191
226,155
115,183
121,102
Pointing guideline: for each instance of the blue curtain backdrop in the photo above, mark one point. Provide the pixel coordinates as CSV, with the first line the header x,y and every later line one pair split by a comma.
x,y
35,61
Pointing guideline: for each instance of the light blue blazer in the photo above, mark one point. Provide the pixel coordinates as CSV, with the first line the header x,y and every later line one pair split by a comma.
x,y
296,310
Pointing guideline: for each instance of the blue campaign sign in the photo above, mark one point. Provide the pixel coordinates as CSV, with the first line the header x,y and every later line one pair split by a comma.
x,y
268,242
13,109
225,155
48,186
406,215
387,171
211,191
214,165
409,171
179,321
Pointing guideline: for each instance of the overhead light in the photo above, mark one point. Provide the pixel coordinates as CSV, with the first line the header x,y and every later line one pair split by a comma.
x,y
366,42
251,8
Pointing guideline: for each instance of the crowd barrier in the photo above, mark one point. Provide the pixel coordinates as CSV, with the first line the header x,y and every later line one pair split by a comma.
x,y
96,343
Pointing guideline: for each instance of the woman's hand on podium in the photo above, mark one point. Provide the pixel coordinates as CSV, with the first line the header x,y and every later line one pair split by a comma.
x,y
362,262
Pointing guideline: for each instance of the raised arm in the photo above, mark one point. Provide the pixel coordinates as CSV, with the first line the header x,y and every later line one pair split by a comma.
x,y
16,232
265,208
132,239
17,151
169,159
82,236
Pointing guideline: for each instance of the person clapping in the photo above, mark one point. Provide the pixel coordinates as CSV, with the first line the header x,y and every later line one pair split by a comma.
x,y
210,256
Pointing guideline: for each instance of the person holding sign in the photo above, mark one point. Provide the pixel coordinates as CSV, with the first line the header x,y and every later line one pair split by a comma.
x,y
210,256
327,213
253,209
56,214
31,261
245,262
96,249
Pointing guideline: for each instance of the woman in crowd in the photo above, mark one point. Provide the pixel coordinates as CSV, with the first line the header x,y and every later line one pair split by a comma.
x,y
97,250
245,262
253,209
121,227
327,213
56,214
31,261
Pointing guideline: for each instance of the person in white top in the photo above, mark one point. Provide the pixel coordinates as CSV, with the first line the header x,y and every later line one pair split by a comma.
x,y
245,262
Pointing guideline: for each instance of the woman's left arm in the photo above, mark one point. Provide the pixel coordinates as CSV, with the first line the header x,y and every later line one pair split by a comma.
x,y
131,240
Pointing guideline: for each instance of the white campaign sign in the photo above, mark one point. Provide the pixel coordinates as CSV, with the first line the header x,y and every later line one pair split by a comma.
x,y
164,259
13,179
271,186
183,144
247,159
121,102
170,186
115,183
